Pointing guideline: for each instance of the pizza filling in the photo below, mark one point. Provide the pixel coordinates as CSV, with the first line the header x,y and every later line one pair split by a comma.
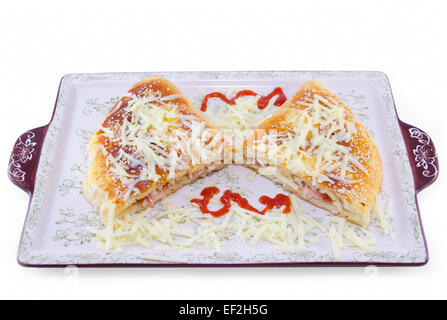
x,y
316,193
174,185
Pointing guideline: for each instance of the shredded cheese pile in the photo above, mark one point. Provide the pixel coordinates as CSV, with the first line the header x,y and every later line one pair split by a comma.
x,y
342,233
244,115
185,228
321,131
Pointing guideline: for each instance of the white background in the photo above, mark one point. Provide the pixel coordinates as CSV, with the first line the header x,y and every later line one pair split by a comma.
x,y
40,41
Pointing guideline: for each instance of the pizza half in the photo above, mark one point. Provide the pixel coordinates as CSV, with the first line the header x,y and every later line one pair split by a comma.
x,y
152,142
316,147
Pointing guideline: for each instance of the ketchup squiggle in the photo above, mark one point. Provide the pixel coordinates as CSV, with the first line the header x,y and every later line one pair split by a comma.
x,y
280,200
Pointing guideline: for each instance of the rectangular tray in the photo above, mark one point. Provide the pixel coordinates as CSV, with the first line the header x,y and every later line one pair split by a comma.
x,y
49,163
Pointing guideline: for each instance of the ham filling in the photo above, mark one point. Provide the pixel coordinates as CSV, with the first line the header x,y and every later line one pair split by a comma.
x,y
316,194
165,190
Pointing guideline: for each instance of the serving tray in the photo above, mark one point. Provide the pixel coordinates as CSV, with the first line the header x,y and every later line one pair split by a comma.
x,y
49,163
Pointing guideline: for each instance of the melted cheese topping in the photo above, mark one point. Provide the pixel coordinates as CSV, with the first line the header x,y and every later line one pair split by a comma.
x,y
320,130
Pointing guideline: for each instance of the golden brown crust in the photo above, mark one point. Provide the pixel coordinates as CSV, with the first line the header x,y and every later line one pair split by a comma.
x,y
358,198
166,88
101,187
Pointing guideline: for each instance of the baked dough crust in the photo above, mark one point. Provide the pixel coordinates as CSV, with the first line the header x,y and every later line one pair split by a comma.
x,y
352,201
104,190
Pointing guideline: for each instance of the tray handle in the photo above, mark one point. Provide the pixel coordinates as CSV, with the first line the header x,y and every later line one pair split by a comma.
x,y
422,154
25,157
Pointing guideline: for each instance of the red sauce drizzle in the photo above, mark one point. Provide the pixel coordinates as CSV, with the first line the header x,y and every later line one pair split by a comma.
x,y
262,102
278,201
207,194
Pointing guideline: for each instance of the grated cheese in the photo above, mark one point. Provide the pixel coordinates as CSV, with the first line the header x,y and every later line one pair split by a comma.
x,y
152,140
187,228
152,135
245,114
322,127
250,176
384,217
